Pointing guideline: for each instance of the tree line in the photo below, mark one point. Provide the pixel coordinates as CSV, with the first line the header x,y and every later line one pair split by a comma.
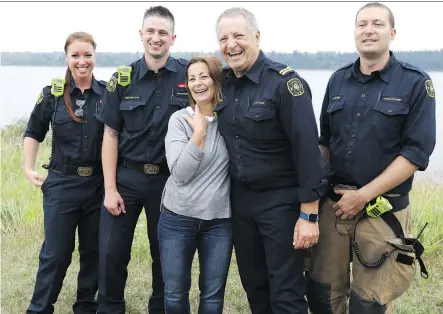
x,y
427,60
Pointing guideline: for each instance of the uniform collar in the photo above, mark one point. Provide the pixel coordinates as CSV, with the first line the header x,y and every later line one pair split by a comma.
x,y
170,66
95,86
256,69
385,73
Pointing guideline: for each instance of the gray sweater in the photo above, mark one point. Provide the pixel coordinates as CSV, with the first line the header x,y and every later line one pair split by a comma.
x,y
199,185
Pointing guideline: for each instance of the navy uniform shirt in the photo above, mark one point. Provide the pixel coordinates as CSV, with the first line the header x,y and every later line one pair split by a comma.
x,y
369,120
140,111
76,143
268,123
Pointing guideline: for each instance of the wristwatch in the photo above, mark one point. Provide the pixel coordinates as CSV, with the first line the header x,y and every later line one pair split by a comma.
x,y
309,217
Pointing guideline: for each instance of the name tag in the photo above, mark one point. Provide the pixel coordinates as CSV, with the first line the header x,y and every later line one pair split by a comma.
x,y
336,98
132,97
399,99
180,92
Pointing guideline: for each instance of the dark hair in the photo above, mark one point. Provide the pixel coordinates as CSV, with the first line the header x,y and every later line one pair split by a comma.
x,y
161,12
215,68
378,5
80,36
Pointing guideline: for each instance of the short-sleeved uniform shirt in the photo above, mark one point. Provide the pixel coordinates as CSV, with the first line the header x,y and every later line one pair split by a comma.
x,y
367,121
75,143
141,110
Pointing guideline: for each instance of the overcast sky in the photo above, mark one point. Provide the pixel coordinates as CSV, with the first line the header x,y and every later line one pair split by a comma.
x,y
285,27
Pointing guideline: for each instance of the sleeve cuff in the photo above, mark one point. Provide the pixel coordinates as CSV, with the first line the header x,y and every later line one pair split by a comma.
x,y
110,123
34,136
307,195
194,151
416,156
323,141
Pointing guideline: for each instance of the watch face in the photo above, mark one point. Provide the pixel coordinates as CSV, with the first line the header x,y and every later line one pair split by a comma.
x,y
312,217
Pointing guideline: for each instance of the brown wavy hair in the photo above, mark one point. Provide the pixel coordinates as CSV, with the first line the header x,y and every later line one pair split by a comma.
x,y
80,36
215,67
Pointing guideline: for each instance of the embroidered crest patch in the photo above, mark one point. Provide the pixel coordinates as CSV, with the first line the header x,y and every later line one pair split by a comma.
x,y
295,87
430,88
111,84
40,97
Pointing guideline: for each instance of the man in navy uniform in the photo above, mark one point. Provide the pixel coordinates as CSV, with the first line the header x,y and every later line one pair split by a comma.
x,y
136,108
377,128
269,127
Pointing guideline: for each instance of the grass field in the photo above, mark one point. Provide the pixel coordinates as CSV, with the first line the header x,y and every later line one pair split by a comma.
x,y
22,234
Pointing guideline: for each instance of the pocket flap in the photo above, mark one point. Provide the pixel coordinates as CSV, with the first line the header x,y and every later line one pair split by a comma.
x,y
179,101
62,118
220,106
260,113
335,105
131,104
391,108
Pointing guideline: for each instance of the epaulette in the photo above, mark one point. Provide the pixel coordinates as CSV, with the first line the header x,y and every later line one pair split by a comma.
x,y
413,68
182,61
104,83
346,66
281,68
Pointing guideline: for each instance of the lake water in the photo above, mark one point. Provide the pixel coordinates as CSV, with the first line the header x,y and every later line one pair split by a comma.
x,y
20,87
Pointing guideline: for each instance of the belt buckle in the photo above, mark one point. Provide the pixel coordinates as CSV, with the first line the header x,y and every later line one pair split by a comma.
x,y
84,171
151,169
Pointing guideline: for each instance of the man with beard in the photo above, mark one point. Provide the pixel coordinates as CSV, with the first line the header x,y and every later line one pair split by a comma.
x,y
377,128
136,108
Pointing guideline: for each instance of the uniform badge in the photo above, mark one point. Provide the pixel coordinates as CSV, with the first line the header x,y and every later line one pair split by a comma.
x,y
40,97
430,88
112,83
295,87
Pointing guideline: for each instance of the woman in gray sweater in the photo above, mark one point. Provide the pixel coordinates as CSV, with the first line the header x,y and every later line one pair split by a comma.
x,y
195,205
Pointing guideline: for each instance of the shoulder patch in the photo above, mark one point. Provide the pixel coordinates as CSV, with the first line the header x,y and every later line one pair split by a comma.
x,y
40,97
430,88
111,85
295,87
282,69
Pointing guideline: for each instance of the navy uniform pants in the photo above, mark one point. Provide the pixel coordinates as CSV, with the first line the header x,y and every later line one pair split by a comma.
x,y
138,190
69,202
271,270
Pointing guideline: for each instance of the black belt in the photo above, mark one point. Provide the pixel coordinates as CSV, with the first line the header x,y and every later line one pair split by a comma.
x,y
151,169
81,171
398,202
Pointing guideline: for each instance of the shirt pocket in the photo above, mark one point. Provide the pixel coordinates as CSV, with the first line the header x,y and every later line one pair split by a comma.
x,y
387,121
177,103
336,116
133,114
66,129
260,121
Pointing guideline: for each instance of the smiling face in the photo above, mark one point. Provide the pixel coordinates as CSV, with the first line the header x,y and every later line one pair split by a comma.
x,y
157,36
80,57
373,32
239,46
200,84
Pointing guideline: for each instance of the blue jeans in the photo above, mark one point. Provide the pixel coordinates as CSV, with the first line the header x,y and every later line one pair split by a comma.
x,y
179,236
